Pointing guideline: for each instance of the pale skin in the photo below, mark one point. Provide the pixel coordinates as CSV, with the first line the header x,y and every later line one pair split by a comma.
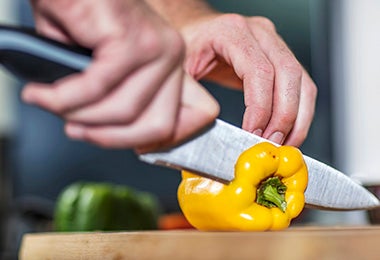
x,y
247,53
135,93
104,106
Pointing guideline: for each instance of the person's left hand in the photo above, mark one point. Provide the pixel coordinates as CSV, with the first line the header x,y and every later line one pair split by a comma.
x,y
247,53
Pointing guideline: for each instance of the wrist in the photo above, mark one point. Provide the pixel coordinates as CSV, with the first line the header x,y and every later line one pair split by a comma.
x,y
182,13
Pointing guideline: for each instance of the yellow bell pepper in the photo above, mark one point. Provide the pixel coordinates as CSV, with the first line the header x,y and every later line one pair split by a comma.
x,y
266,194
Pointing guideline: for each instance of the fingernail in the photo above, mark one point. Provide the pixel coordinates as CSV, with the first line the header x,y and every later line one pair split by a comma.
x,y
277,137
74,131
258,132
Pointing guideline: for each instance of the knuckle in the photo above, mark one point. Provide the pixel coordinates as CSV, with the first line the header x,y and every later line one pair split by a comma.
x,y
172,47
286,118
162,129
264,70
261,114
58,108
61,103
114,111
234,21
176,45
309,86
313,90
96,85
265,23
292,68
125,114
169,43
150,42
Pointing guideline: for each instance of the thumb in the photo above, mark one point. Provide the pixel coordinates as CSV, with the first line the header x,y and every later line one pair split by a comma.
x,y
198,109
196,98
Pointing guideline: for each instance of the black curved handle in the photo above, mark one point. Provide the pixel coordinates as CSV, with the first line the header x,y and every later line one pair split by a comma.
x,y
32,57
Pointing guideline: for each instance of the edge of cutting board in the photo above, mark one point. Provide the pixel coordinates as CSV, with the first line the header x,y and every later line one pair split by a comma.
x,y
352,242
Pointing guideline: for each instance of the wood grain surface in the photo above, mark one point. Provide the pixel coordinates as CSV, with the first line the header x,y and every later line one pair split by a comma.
x,y
294,243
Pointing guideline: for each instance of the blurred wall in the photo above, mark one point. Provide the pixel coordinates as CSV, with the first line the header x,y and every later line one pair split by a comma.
x,y
8,15
355,52
356,85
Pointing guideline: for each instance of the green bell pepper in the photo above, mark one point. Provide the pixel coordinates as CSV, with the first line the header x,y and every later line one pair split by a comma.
x,y
84,206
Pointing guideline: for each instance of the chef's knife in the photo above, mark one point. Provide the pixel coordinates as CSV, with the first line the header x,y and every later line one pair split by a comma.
x,y
212,153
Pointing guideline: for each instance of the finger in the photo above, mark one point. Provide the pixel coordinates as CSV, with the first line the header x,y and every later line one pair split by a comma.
x,y
50,29
256,72
154,125
129,100
306,112
105,72
288,75
198,109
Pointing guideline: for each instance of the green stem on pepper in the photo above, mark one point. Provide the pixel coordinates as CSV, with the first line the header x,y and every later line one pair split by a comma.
x,y
271,193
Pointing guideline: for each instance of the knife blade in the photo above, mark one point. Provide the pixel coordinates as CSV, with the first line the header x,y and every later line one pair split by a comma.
x,y
212,153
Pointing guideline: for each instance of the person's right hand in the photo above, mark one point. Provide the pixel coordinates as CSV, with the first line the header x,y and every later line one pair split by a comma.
x,y
131,95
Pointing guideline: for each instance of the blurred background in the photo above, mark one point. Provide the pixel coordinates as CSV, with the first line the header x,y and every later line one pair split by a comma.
x,y
337,42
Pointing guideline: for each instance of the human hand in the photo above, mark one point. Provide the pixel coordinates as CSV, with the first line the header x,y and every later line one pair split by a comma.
x,y
247,53
131,95
196,109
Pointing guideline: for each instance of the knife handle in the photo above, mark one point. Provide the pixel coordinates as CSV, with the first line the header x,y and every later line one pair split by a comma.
x,y
32,57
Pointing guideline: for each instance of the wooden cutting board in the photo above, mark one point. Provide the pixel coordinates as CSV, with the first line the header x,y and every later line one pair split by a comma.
x,y
294,243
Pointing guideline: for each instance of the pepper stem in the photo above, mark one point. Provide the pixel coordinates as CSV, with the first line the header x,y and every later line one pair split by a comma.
x,y
271,193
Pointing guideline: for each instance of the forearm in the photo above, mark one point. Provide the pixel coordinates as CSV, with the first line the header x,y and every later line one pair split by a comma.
x,y
179,13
